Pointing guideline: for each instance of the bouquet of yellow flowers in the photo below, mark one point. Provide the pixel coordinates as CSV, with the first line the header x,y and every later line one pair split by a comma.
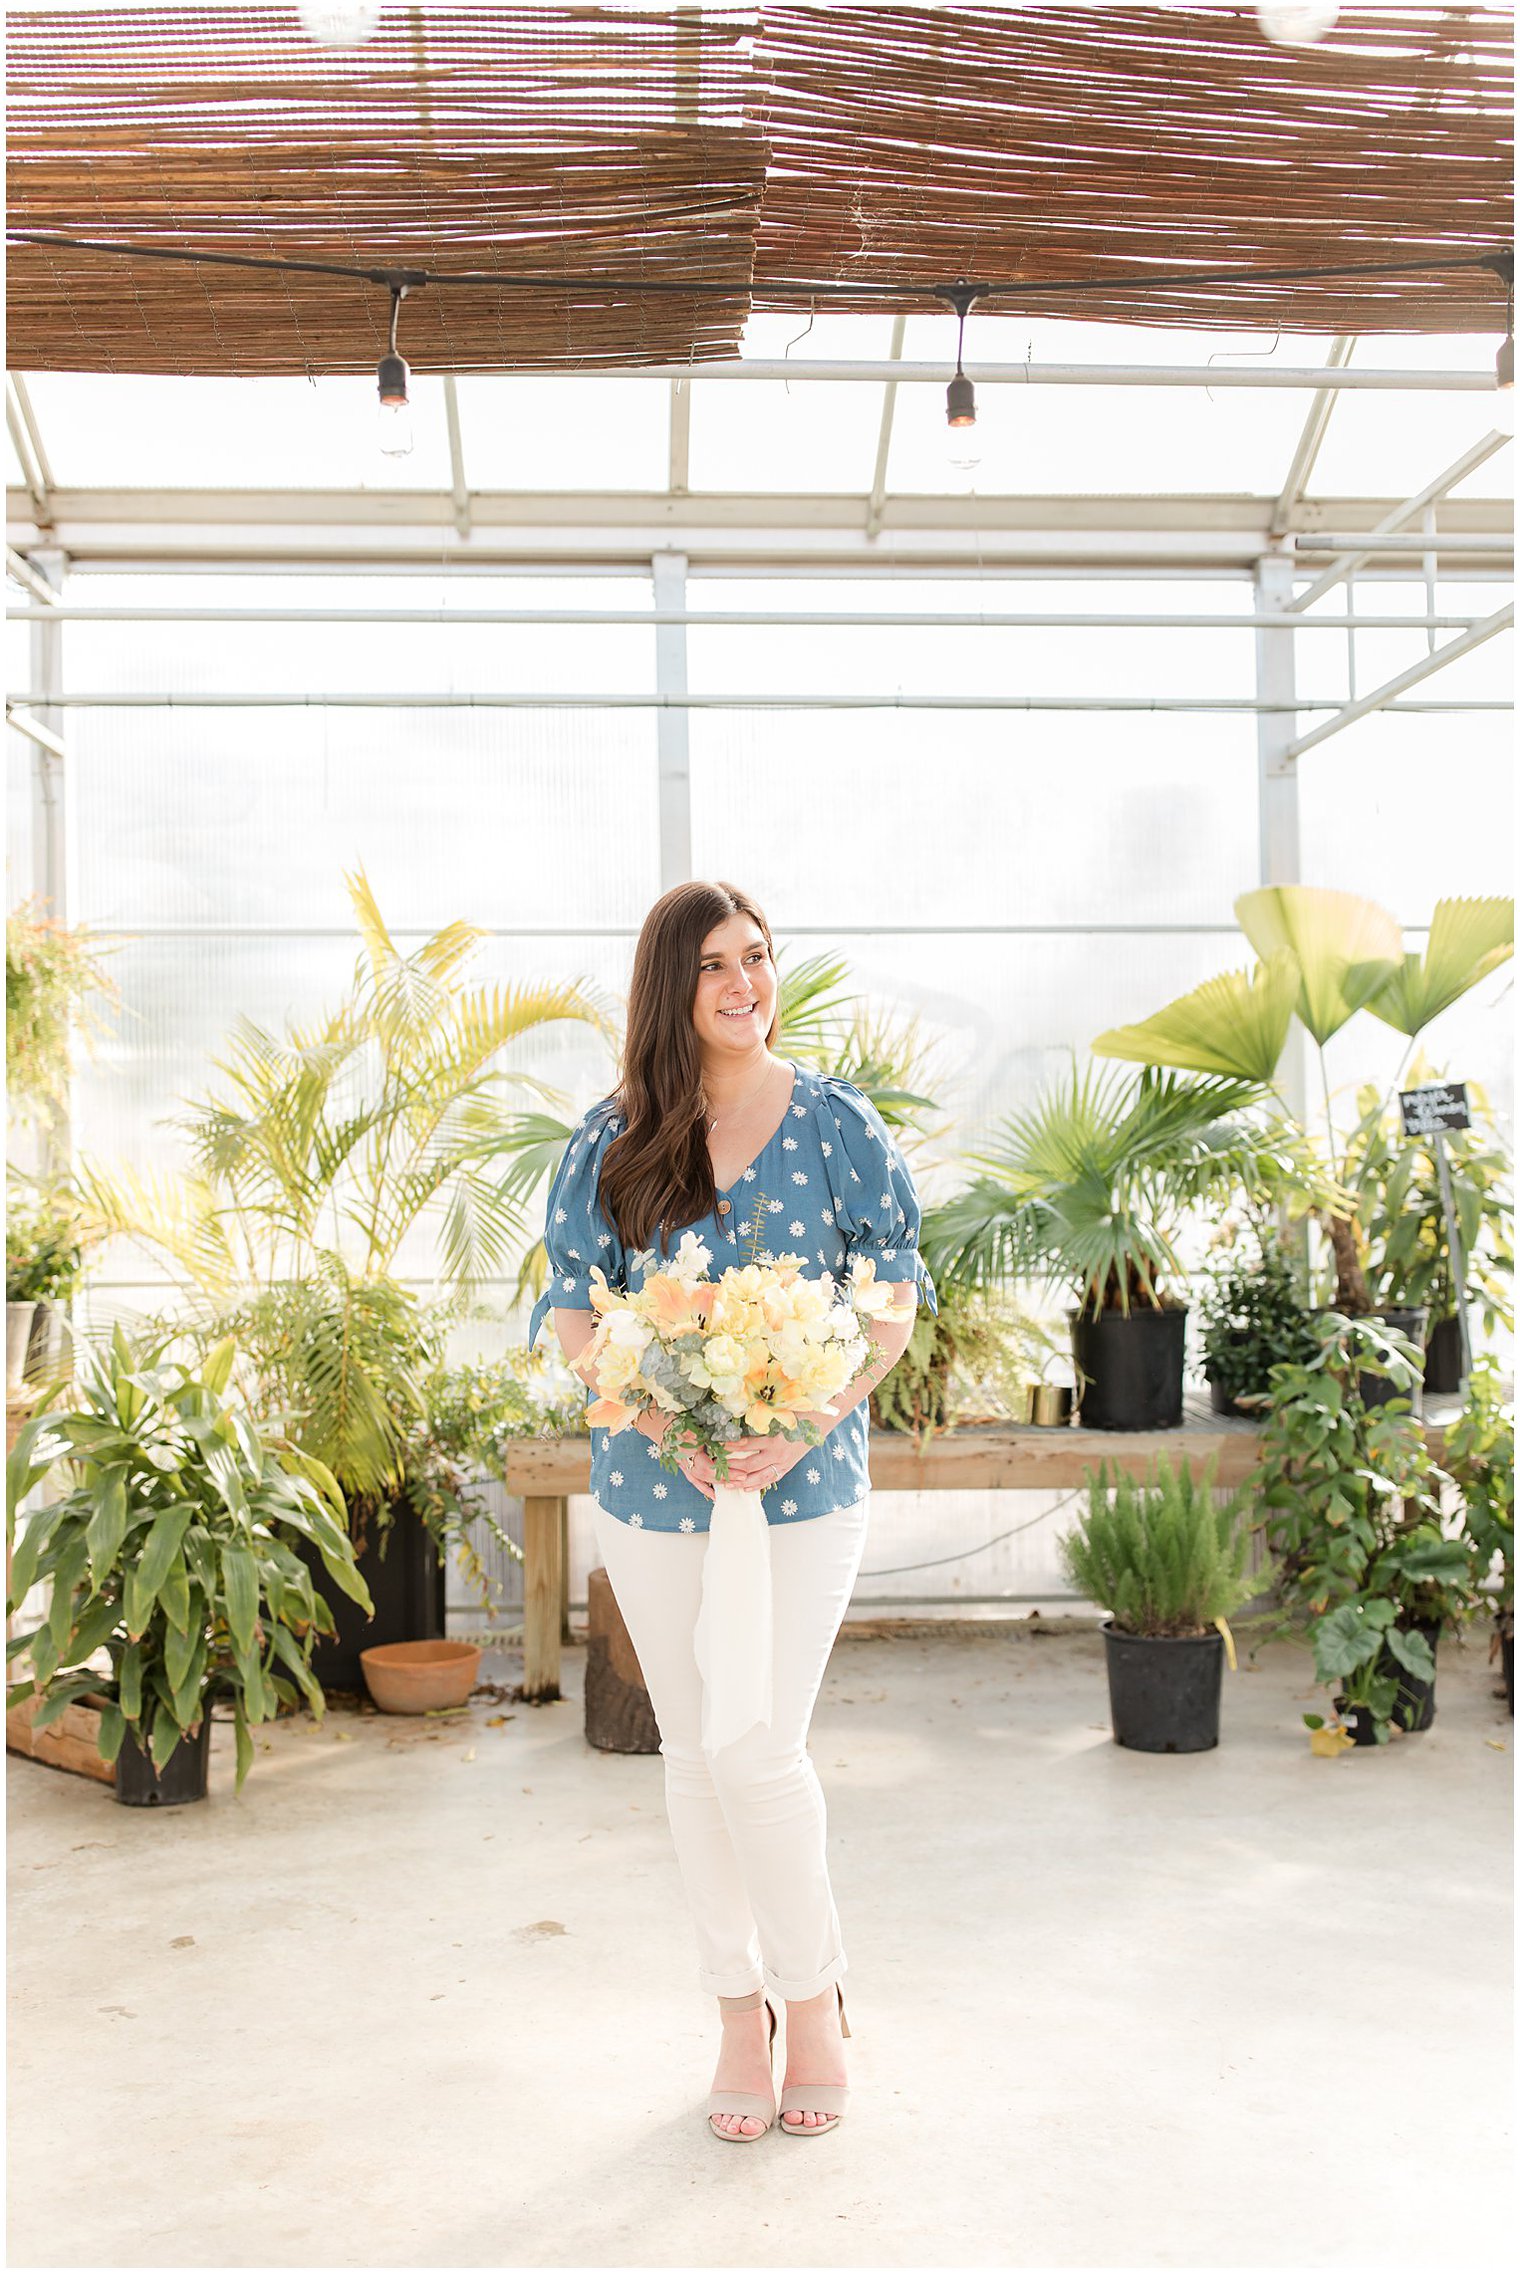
x,y
759,1351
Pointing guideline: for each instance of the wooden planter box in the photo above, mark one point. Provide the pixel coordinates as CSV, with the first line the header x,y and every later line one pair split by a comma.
x,y
71,1742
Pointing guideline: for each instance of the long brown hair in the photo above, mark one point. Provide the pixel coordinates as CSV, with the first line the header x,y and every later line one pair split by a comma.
x,y
656,1174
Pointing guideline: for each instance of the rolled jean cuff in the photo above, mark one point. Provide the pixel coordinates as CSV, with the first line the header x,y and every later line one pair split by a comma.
x,y
729,1985
794,1991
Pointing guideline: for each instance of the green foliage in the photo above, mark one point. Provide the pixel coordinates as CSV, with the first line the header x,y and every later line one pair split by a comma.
x,y
1163,1558
319,1156
1480,1456
173,1551
1406,1254
1253,1320
44,1242
50,973
1091,1187
977,1355
1352,1502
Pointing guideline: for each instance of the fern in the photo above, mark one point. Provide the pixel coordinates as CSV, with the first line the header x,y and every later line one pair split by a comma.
x,y
1162,1558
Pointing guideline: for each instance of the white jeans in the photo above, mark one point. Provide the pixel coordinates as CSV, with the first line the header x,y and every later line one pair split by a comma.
x,y
749,1823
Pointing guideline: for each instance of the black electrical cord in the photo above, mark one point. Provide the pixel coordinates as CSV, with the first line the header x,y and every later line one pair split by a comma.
x,y
696,288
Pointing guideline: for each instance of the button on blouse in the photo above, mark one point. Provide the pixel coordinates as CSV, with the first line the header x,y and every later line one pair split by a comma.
x,y
830,1186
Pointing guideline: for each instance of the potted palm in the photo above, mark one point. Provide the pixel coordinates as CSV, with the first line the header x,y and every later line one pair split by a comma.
x,y
1091,1189
389,1124
173,1552
1168,1563
1353,1502
1323,956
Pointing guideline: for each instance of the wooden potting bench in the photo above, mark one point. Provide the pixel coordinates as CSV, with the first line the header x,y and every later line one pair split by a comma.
x,y
977,1457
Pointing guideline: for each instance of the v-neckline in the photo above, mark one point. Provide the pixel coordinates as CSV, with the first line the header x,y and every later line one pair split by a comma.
x,y
723,1190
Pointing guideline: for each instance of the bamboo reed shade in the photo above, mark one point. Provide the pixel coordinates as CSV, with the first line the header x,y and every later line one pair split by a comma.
x,y
571,142
1040,142
756,152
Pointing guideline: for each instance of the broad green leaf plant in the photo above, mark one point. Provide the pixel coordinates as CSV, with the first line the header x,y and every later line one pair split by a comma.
x,y
1352,1503
1323,956
172,1551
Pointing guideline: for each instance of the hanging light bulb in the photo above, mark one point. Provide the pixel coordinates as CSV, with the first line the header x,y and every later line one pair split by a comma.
x,y
339,25
1297,23
395,401
964,444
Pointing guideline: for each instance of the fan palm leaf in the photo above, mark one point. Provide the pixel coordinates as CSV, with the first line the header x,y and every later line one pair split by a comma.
x,y
1347,948
1468,939
1236,1024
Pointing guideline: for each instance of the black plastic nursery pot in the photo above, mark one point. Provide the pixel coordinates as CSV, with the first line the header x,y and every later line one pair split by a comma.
x,y
1130,1368
1443,1358
1507,1661
1376,1389
183,1777
1415,1706
1357,1722
1163,1690
405,1576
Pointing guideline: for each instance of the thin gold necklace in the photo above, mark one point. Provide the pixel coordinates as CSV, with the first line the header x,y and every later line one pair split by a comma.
x,y
739,1108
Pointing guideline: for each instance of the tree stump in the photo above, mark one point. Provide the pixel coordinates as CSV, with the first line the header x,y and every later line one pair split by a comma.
x,y
619,1716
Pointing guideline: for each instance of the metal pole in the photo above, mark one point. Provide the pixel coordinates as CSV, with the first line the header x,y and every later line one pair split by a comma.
x,y
828,371
672,729
1455,1251
641,699
1279,855
948,619
51,866
1382,698
1362,548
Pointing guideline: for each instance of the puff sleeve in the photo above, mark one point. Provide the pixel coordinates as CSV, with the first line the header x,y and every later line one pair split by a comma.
x,y
577,1234
876,1205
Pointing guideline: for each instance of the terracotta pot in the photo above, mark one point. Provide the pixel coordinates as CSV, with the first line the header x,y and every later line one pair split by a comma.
x,y
416,1677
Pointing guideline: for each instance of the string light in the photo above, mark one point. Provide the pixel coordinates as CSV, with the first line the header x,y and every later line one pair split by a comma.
x,y
960,395
337,25
395,403
1297,23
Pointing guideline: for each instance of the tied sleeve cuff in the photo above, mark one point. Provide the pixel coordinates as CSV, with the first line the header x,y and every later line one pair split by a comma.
x,y
577,1235
876,1203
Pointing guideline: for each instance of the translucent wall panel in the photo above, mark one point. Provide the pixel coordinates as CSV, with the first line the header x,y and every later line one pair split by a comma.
x,y
126,431
564,433
1410,810
834,817
1390,445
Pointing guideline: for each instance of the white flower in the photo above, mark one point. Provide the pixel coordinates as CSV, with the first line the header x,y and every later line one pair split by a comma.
x,y
604,1239
797,1229
788,1144
567,1281
653,1451
560,1217
837,1451
799,1112
636,1521
799,1176
575,1255
888,1255
886,1200
749,1176
815,1476
659,1490
688,1523
828,1152
774,1206
853,1177
617,1476
788,1507
690,1260
828,1215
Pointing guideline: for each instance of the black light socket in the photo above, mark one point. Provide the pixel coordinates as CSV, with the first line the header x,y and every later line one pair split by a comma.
x,y
393,379
960,401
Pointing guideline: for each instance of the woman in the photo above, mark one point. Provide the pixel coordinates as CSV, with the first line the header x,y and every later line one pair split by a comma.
x,y
708,1131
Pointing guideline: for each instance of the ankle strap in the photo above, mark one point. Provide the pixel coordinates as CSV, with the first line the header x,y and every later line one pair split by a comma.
x,y
746,2004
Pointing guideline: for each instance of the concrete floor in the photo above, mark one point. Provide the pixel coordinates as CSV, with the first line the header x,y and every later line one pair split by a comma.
x,y
427,1997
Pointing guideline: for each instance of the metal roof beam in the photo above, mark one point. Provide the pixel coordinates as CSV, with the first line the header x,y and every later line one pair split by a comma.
x,y
456,457
1384,698
826,371
877,498
1391,523
1313,434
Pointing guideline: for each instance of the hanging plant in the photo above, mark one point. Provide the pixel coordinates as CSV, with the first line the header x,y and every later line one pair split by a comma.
x,y
50,971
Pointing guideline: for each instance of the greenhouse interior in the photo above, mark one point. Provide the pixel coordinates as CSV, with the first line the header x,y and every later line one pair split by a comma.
x,y
1018,500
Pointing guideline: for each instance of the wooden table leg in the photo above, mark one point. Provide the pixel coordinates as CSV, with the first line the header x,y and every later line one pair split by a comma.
x,y
543,1514
564,1571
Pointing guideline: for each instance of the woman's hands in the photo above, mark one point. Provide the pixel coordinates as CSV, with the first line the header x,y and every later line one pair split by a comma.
x,y
754,1463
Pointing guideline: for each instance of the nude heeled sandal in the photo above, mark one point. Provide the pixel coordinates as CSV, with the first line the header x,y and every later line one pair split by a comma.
x,y
831,2101
732,2103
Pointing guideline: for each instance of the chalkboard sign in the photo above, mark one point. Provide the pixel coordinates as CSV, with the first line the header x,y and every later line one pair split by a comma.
x,y
1436,1106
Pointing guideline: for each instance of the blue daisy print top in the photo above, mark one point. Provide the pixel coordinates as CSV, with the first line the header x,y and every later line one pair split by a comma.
x,y
832,1186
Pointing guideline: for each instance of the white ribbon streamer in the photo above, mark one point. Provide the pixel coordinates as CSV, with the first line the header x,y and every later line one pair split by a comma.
x,y
732,1639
